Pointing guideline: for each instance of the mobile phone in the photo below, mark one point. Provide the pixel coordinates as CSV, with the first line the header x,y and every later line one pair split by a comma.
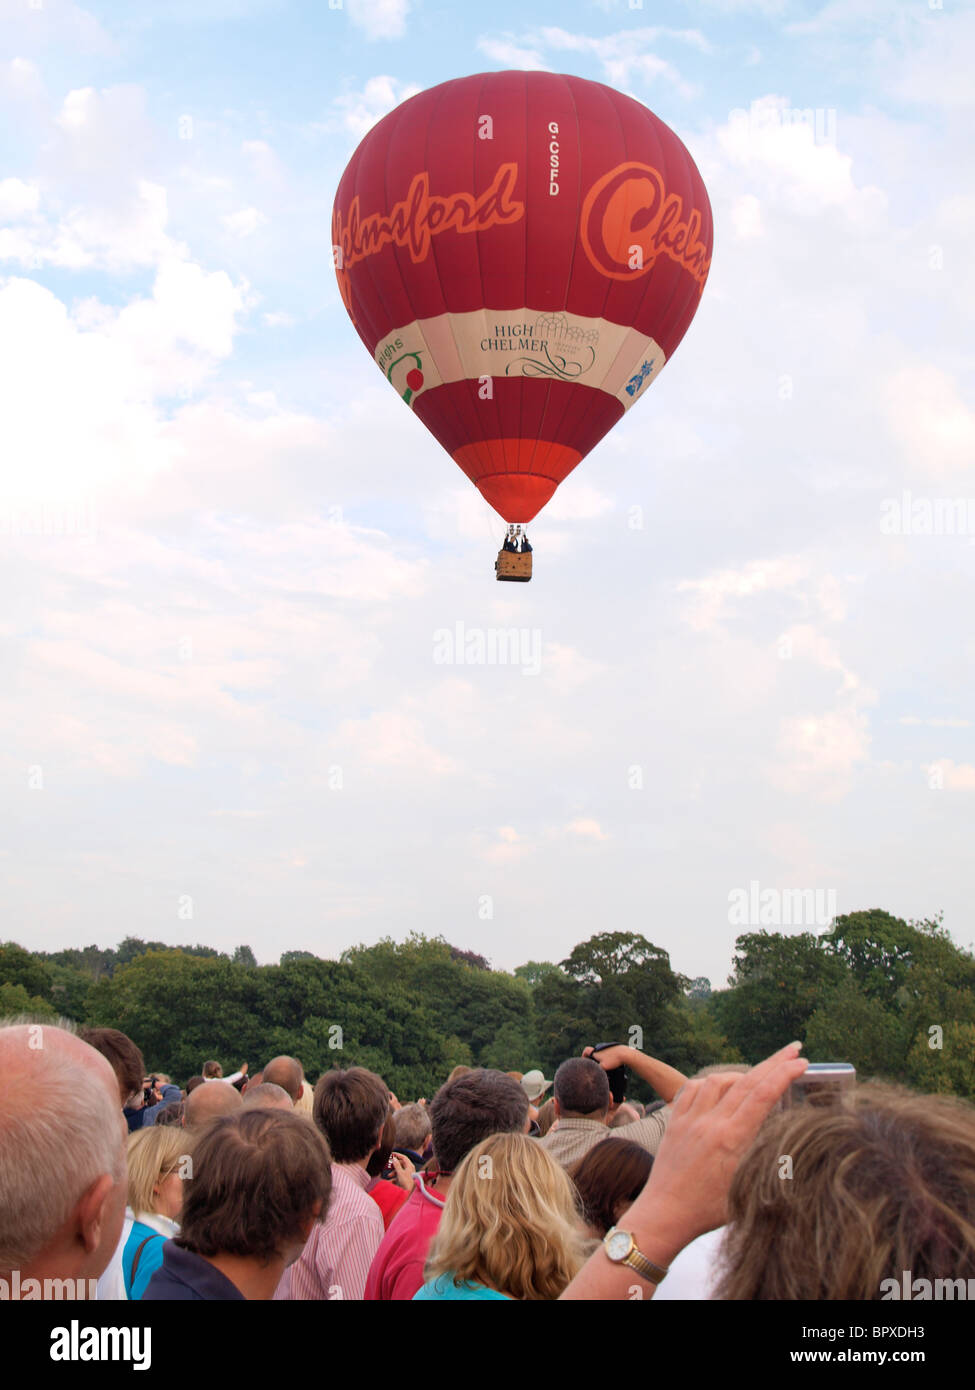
x,y
616,1077
822,1083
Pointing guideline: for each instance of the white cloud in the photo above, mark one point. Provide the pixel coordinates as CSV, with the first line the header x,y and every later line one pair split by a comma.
x,y
713,595
244,222
746,217
931,427
578,501
512,54
21,81
379,19
567,668
792,152
915,720
395,740
819,753
585,828
18,198
954,776
54,23
358,111
624,56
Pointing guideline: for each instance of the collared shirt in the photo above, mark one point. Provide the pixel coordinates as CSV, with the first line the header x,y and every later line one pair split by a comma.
x,y
397,1270
186,1277
575,1137
337,1255
647,1132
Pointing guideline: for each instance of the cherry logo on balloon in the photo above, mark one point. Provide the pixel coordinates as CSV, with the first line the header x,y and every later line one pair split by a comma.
x,y
414,379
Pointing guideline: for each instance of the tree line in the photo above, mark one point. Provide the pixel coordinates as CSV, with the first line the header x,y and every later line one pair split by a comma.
x,y
895,998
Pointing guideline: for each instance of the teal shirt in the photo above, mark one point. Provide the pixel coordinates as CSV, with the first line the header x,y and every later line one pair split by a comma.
x,y
149,1261
444,1287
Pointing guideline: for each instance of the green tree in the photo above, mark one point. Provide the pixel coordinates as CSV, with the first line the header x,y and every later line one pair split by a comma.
x,y
15,1000
19,967
777,984
876,947
852,1026
608,987
535,970
943,1062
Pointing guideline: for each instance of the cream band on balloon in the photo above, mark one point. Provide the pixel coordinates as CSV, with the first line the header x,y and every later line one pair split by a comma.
x,y
519,342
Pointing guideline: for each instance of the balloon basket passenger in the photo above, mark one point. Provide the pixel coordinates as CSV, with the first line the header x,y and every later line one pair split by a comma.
x,y
514,562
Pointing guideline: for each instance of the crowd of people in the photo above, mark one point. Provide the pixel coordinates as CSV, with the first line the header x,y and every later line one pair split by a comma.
x,y
123,1185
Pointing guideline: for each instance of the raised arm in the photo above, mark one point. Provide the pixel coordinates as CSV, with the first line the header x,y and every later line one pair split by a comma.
x,y
665,1080
714,1123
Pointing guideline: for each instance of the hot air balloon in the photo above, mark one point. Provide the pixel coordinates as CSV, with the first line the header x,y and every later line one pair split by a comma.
x,y
521,253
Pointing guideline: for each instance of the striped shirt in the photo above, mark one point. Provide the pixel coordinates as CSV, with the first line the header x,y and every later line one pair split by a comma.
x,y
336,1258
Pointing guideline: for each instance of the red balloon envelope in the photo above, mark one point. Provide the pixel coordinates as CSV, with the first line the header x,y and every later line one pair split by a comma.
x,y
521,252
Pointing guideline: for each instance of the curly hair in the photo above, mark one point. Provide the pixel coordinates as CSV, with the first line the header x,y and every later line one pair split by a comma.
x,y
509,1222
879,1181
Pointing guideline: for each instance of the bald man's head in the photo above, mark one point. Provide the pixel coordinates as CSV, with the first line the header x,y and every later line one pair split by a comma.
x,y
62,1155
285,1072
209,1101
267,1096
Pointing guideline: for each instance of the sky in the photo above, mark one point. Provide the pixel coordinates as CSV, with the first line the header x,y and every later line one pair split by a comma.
x,y
742,693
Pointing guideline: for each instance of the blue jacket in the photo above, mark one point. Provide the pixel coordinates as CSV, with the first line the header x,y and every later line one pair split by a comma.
x,y
146,1114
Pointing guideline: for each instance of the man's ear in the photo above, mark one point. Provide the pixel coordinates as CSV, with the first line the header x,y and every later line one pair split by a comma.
x,y
557,1107
310,1220
93,1211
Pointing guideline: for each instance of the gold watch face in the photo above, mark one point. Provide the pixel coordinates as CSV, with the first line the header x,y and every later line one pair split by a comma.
x,y
618,1244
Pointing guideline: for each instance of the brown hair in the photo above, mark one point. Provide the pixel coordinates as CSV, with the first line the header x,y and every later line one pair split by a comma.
x,y
124,1056
257,1177
581,1087
378,1160
465,1111
546,1117
212,1070
613,1171
458,1071
509,1221
350,1109
879,1181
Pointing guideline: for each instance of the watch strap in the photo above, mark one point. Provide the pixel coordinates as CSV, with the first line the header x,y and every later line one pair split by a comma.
x,y
645,1267
635,1259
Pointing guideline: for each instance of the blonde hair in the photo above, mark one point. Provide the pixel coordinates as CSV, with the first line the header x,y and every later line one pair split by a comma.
x,y
509,1222
154,1153
881,1181
305,1104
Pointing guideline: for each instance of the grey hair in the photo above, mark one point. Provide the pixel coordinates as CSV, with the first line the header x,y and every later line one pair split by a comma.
x,y
61,1131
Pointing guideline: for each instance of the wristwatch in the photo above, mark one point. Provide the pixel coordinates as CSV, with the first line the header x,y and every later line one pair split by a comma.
x,y
621,1248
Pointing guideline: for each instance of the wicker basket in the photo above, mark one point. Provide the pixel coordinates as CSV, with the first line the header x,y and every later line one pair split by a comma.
x,y
514,565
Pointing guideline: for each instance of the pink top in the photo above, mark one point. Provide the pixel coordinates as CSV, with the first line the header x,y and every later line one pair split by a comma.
x,y
336,1258
397,1270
